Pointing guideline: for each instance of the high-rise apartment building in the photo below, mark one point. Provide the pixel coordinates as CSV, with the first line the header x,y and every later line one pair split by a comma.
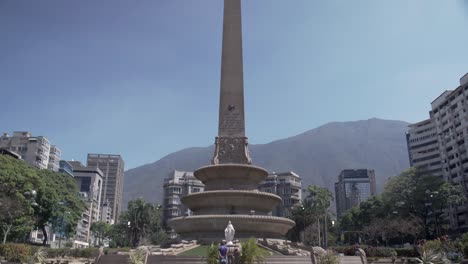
x,y
65,167
35,151
442,149
176,185
423,147
352,188
89,181
112,167
286,185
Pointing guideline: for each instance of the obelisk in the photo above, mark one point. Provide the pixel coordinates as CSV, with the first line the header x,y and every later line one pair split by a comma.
x,y
231,194
231,142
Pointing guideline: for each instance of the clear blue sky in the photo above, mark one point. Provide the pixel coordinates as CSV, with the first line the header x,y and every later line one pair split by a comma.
x,y
141,78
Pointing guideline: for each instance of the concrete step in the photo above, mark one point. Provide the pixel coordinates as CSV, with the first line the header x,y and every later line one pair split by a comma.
x,y
288,260
198,260
174,260
350,260
123,259
113,259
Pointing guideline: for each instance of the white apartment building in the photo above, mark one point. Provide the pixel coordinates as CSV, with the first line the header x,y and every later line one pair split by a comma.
x,y
35,151
423,147
286,185
439,145
176,185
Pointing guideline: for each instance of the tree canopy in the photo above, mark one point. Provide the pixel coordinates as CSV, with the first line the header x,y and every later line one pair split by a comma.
x,y
31,197
413,205
140,224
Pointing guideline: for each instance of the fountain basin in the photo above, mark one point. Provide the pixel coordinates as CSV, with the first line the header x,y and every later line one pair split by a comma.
x,y
231,202
211,227
229,176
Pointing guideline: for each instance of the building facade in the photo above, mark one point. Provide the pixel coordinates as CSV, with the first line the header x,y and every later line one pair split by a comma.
x,y
446,151
423,147
89,181
35,151
176,185
65,167
106,213
9,153
352,188
112,167
286,185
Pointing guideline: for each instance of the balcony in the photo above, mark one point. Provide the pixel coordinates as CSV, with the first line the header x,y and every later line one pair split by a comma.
x,y
295,197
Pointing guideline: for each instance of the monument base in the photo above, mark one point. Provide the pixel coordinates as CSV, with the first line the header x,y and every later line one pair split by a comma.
x,y
211,227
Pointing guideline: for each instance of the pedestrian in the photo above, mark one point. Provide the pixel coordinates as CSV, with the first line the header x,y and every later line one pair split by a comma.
x,y
222,250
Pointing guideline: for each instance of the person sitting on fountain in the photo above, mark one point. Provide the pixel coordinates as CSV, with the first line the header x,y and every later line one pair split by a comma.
x,y
223,252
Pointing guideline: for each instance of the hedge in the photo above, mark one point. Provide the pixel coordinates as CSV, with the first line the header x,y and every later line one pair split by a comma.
x,y
72,252
407,252
21,252
384,252
15,252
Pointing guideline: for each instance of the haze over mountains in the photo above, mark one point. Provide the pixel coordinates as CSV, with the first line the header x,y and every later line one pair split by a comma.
x,y
317,155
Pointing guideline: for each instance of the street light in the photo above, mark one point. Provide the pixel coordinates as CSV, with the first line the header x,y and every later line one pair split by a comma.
x,y
303,222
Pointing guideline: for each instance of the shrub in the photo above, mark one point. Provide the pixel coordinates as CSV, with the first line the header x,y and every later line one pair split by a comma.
x,y
346,250
138,256
407,252
113,251
251,252
433,246
72,252
212,254
385,252
169,242
38,254
429,256
330,257
464,244
15,252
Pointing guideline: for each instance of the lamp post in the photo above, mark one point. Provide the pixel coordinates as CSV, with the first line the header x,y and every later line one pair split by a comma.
x,y
31,198
302,235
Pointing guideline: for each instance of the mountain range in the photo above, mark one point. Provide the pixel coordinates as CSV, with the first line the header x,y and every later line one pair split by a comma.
x,y
317,155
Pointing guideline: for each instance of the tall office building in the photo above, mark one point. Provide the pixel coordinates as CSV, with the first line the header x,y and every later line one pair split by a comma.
x,y
176,185
112,167
89,181
286,185
352,188
35,151
440,147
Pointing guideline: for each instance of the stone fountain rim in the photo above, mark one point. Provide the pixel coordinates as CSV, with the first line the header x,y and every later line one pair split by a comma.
x,y
234,192
230,165
249,217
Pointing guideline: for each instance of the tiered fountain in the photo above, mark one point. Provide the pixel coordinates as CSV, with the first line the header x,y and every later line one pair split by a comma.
x,y
231,181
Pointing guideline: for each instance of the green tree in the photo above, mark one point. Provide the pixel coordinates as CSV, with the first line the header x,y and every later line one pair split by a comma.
x,y
119,232
140,223
16,183
313,211
57,198
100,230
54,195
414,193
